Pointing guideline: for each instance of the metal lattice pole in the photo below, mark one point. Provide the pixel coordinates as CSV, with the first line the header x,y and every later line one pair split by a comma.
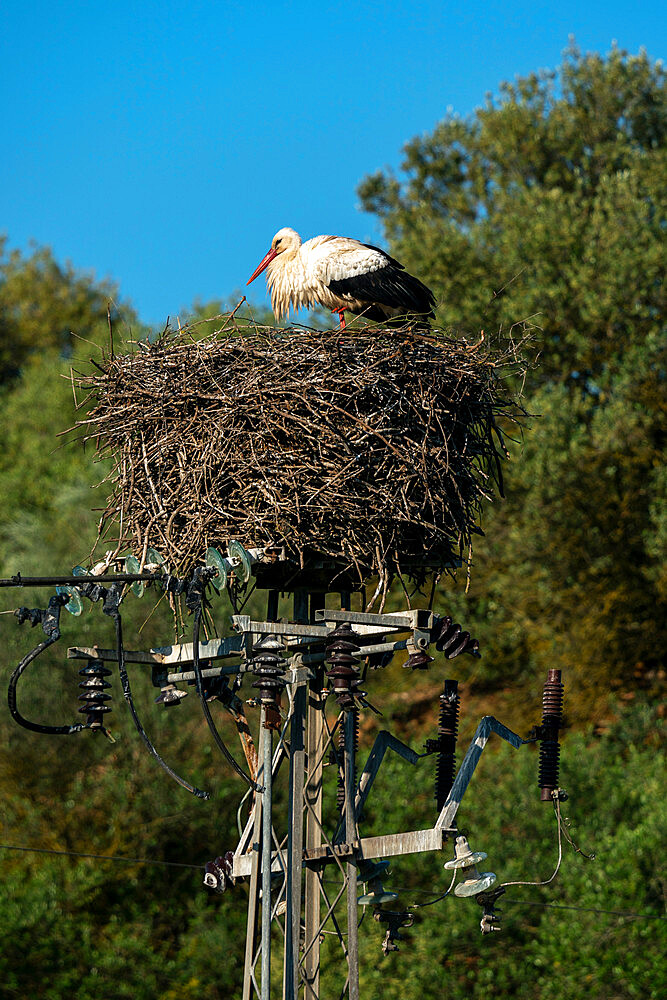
x,y
295,816
315,744
253,897
351,867
266,859
295,844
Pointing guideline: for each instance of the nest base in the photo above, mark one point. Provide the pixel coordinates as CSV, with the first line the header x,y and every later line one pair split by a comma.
x,y
373,448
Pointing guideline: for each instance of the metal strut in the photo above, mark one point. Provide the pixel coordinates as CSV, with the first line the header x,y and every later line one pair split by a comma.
x,y
339,755
344,677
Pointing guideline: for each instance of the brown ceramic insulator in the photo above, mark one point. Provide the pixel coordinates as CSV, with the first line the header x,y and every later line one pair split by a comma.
x,y
344,674
93,694
448,729
552,696
419,660
269,669
451,640
552,717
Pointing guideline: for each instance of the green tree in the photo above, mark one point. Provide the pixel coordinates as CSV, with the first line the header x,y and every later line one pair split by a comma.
x,y
549,202
91,927
45,306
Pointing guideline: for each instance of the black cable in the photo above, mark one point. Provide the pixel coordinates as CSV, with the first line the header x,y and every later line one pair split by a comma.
x,y
532,902
199,683
112,607
76,581
50,620
35,727
99,857
589,909
247,598
430,902
180,864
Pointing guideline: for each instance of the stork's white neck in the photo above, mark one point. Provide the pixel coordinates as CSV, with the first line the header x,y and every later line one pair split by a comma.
x,y
286,279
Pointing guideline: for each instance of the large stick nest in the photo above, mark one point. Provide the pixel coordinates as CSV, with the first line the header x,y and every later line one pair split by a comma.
x,y
373,447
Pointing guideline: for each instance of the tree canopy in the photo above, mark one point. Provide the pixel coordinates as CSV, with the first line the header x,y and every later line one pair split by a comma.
x,y
47,306
549,202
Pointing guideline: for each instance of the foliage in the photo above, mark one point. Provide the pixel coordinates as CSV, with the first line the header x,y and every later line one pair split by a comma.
x,y
124,930
543,951
47,307
558,188
549,202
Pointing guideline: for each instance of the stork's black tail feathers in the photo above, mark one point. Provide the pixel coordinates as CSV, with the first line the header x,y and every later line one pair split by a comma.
x,y
393,296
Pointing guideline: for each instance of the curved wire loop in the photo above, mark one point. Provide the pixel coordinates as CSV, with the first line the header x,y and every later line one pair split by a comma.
x,y
50,622
559,830
112,598
195,601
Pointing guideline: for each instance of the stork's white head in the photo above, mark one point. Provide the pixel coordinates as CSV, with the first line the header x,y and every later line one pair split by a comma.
x,y
285,239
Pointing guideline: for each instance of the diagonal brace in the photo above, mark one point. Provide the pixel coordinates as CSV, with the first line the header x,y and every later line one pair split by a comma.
x,y
384,741
487,726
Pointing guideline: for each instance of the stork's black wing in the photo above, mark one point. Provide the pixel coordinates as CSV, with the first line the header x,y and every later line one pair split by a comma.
x,y
391,286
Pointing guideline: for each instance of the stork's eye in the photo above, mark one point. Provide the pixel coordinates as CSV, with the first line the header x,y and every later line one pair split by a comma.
x,y
277,243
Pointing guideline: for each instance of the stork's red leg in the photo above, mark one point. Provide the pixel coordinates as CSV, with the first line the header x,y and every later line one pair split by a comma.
x,y
341,317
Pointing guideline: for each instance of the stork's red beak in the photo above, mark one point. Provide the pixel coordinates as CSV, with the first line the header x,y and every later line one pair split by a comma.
x,y
263,264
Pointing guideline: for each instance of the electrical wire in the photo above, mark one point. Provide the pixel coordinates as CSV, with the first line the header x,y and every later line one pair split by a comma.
x,y
181,864
99,857
50,621
532,902
564,824
560,852
247,598
204,704
127,693
238,812
36,727
588,909
420,906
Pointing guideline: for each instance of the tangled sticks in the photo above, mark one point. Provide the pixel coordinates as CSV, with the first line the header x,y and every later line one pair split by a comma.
x,y
372,447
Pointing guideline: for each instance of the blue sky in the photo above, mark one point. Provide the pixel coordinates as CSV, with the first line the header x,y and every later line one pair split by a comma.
x,y
162,144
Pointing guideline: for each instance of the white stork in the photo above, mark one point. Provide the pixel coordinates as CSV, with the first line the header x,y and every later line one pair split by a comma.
x,y
340,273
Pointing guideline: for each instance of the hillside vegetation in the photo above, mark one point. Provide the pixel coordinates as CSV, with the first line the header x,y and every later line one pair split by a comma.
x,y
547,204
